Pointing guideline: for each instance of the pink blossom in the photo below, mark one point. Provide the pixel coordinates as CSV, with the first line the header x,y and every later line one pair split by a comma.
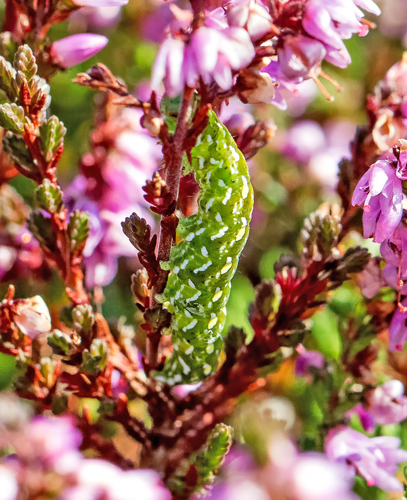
x,y
307,360
75,49
387,403
394,252
380,192
300,56
33,317
9,485
251,15
331,21
376,459
398,329
211,54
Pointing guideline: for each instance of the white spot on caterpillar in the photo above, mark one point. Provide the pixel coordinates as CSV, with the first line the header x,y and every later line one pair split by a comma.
x,y
188,314
208,176
185,368
217,295
191,284
244,221
190,326
175,270
189,350
210,349
177,295
225,268
209,204
201,162
198,233
204,252
221,183
191,299
207,369
245,188
213,161
177,378
229,259
190,237
240,234
184,264
218,217
220,233
227,196
203,268
209,138
199,140
212,323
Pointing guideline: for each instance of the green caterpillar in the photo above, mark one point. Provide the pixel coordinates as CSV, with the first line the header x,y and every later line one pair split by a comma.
x,y
202,265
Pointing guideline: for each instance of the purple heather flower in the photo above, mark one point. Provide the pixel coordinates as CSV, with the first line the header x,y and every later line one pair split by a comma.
x,y
282,83
211,54
75,49
331,21
307,359
394,252
387,403
302,141
380,192
376,459
365,417
398,329
251,15
98,18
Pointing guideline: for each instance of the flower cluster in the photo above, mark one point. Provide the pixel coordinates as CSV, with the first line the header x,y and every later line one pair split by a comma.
x,y
46,461
222,46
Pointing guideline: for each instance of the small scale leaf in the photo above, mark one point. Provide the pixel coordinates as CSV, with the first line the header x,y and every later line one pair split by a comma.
x,y
49,196
24,61
83,318
12,118
60,342
16,148
95,360
41,228
51,134
7,79
78,229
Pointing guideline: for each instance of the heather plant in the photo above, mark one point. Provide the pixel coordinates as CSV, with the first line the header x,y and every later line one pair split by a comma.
x,y
203,251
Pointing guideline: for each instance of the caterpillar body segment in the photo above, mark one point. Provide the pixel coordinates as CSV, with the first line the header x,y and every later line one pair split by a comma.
x,y
203,264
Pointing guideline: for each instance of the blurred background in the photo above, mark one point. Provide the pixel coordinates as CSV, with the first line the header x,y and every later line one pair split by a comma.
x,y
292,176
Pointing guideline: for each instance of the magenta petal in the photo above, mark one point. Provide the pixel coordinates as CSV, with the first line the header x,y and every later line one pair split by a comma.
x,y
100,3
75,49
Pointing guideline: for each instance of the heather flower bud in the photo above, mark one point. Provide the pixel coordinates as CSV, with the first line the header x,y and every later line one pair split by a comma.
x,y
33,317
152,123
83,318
75,49
250,15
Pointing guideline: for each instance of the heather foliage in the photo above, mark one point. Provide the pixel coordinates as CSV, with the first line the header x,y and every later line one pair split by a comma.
x,y
203,250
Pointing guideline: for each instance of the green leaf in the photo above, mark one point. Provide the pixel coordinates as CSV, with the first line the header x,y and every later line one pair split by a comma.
x,y
16,148
208,460
12,118
78,229
325,334
25,62
41,228
95,360
7,79
49,196
51,135
60,342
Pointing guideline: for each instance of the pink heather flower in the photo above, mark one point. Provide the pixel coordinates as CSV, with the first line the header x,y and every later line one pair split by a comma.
x,y
100,3
380,192
99,18
300,56
365,417
302,141
75,49
398,329
251,15
331,21
53,442
101,479
387,403
211,54
394,252
376,459
33,317
9,485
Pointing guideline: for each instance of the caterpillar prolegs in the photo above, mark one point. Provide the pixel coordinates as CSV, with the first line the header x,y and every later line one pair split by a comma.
x,y
203,263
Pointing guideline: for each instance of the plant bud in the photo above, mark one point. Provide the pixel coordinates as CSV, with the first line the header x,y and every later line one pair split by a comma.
x,y
33,317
